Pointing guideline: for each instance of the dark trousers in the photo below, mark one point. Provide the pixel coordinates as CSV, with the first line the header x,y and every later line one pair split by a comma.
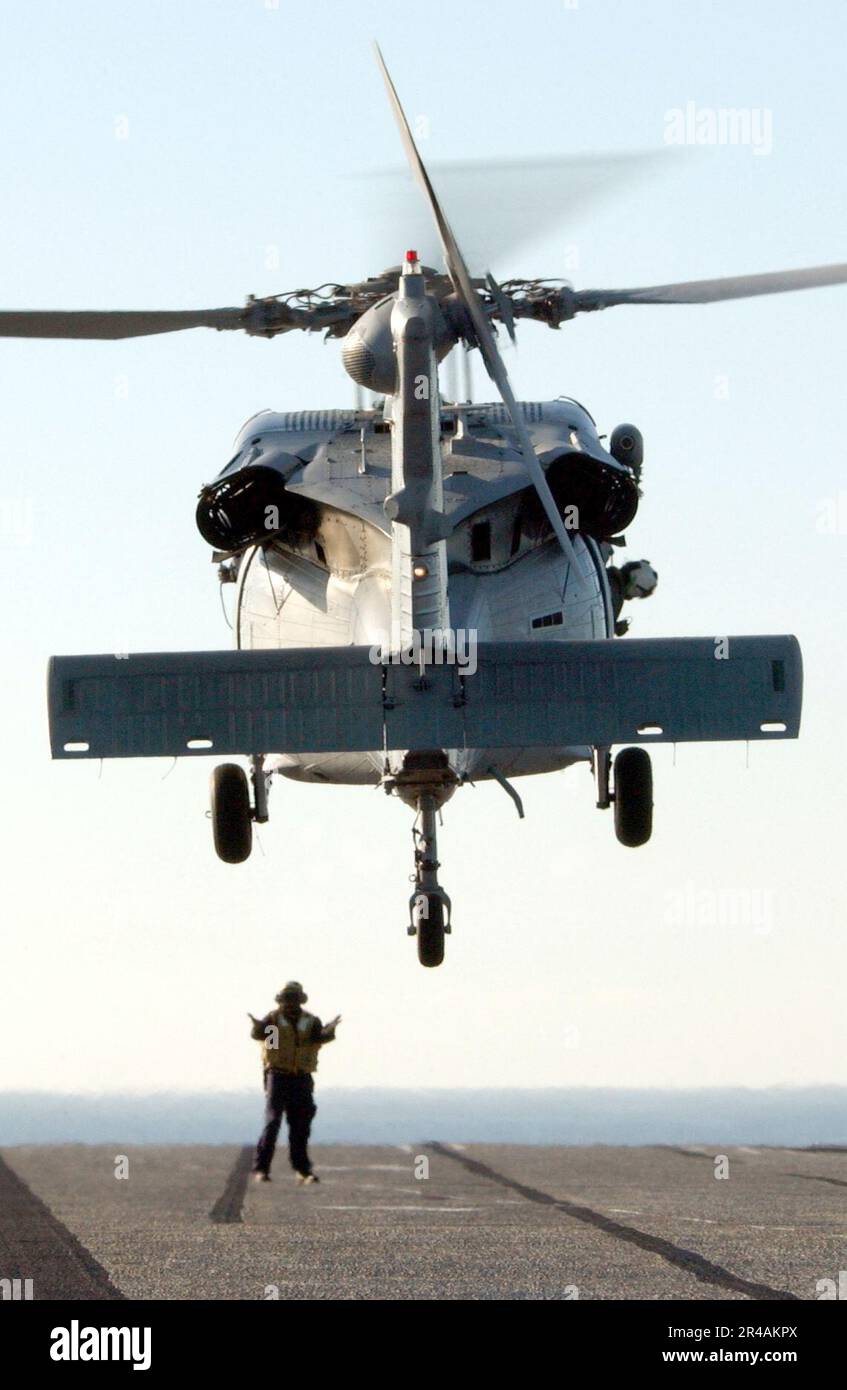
x,y
291,1096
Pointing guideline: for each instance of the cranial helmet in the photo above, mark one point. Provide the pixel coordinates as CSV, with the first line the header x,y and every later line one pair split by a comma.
x,y
292,990
640,579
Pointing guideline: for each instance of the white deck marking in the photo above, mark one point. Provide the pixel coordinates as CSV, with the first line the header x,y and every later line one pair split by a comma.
x,y
396,1207
364,1168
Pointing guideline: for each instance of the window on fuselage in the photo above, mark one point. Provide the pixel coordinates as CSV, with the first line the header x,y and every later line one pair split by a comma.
x,y
549,620
481,540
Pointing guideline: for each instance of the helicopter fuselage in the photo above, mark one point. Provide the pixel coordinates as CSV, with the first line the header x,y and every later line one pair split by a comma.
x,y
323,576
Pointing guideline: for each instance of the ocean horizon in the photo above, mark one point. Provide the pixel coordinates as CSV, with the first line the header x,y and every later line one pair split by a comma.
x,y
779,1116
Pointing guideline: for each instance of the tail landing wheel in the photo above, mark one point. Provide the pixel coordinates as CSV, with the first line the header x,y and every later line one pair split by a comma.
x,y
428,916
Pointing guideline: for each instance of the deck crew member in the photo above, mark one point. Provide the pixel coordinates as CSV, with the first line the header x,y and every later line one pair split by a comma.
x,y
291,1040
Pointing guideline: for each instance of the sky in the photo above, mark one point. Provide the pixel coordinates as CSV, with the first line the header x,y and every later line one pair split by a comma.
x,y
186,154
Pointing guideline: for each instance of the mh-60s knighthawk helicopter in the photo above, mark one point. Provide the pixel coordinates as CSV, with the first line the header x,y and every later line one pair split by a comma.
x,y
425,593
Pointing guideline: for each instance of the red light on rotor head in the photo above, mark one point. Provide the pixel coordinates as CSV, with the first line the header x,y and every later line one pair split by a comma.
x,y
411,257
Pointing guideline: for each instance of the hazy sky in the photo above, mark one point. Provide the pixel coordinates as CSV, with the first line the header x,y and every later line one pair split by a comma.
x,y
185,154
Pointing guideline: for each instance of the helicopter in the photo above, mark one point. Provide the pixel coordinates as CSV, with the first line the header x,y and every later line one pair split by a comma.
x,y
426,593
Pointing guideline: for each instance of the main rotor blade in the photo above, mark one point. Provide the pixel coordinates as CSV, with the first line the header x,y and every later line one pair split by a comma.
x,y
713,291
131,323
532,196
458,272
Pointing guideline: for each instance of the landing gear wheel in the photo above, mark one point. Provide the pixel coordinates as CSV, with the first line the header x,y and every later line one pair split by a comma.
x,y
633,796
232,822
431,933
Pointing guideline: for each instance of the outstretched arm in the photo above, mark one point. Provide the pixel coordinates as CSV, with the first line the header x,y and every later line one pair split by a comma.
x,y
328,1030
